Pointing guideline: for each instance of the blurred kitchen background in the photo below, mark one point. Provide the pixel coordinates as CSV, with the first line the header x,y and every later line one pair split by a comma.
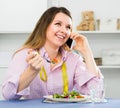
x,y
98,20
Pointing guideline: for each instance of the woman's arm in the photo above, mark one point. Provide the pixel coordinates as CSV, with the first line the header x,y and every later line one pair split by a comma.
x,y
35,63
20,74
83,47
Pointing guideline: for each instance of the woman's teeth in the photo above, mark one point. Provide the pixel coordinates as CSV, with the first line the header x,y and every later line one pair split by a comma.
x,y
62,37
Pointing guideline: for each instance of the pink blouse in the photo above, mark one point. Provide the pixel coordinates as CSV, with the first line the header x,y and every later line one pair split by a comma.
x,y
79,77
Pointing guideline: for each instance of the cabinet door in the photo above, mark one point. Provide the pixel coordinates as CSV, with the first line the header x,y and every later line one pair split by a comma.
x,y
20,15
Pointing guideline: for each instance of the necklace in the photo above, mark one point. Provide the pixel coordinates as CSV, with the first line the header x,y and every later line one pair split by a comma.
x,y
53,61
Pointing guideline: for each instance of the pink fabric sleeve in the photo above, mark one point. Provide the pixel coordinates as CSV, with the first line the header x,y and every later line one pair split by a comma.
x,y
10,85
84,80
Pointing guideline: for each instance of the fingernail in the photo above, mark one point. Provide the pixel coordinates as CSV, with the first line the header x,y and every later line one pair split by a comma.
x,y
35,53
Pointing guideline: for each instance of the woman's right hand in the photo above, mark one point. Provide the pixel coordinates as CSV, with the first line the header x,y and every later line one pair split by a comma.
x,y
34,60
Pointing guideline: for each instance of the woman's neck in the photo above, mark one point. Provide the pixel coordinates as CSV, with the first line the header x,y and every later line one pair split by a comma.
x,y
52,52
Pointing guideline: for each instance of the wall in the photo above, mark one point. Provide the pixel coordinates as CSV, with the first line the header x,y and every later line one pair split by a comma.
x,y
20,15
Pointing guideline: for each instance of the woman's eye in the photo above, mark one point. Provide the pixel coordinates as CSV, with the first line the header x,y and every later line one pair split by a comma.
x,y
68,27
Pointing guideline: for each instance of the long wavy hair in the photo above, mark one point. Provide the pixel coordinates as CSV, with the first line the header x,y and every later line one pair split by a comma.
x,y
37,38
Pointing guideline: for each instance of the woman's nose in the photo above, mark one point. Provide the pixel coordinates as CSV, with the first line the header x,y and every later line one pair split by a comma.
x,y
63,30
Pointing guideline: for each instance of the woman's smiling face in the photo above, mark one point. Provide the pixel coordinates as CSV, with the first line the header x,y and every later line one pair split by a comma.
x,y
59,30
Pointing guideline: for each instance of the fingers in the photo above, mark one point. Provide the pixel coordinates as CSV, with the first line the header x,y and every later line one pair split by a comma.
x,y
74,35
36,63
34,59
32,53
30,50
77,37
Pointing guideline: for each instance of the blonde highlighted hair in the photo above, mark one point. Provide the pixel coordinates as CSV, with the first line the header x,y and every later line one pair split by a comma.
x,y
37,38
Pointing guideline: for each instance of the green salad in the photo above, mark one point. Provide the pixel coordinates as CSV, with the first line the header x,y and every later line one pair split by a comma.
x,y
72,94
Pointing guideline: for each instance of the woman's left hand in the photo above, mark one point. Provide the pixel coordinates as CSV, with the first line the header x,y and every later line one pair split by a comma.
x,y
81,41
83,47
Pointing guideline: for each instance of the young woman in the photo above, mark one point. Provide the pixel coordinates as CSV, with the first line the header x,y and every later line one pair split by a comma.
x,y
45,65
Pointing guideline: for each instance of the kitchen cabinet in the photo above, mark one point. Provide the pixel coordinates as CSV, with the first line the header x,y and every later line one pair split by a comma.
x,y
20,15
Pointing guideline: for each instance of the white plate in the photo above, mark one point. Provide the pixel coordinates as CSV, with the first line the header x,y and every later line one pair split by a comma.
x,y
50,97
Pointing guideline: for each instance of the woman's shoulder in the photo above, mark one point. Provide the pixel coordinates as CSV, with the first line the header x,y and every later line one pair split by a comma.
x,y
74,55
21,52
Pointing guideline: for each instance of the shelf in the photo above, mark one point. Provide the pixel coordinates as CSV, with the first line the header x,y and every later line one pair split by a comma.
x,y
15,32
99,32
86,32
103,67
